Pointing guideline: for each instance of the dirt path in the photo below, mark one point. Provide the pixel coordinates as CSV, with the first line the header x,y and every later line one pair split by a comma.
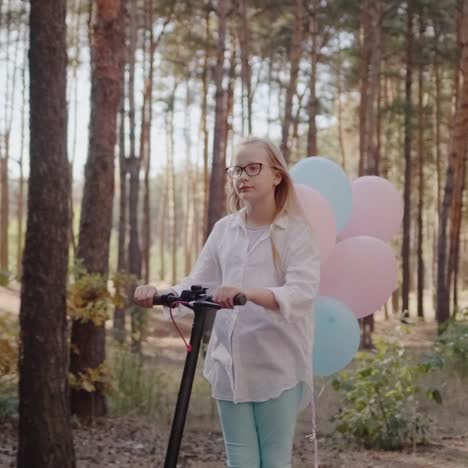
x,y
127,442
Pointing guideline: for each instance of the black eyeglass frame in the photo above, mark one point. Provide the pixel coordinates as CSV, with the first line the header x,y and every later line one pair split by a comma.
x,y
242,169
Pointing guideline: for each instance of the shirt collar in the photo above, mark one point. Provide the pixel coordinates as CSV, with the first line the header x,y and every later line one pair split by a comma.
x,y
281,221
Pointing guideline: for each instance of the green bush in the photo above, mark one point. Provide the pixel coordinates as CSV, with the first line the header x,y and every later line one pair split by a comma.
x,y
451,348
8,366
5,278
380,406
137,389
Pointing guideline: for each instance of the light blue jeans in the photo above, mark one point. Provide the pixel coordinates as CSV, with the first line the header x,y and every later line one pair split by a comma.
x,y
260,435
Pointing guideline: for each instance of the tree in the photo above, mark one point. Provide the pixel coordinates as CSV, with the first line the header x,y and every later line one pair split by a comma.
x,y
88,339
45,438
405,247
295,57
456,163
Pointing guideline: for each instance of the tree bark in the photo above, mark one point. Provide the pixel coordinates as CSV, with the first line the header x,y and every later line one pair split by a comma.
x,y
246,74
420,233
216,201
456,160
45,438
294,58
405,249
312,149
88,340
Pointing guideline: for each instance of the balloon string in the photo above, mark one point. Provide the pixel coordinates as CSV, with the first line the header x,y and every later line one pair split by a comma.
x,y
313,436
188,346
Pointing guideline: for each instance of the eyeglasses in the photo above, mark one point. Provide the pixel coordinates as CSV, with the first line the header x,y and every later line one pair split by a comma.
x,y
252,169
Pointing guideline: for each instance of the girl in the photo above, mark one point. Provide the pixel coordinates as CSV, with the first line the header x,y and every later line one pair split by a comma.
x,y
259,358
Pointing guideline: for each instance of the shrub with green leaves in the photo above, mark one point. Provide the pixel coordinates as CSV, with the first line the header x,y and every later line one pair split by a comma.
x,y
380,405
5,278
137,389
451,348
8,366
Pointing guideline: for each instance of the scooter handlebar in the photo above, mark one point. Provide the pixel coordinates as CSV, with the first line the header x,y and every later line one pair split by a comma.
x,y
168,299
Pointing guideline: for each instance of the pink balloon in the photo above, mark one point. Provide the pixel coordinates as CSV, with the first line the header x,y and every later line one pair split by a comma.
x,y
361,272
377,209
321,217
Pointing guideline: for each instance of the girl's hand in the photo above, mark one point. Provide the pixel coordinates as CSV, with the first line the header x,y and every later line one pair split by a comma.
x,y
224,296
144,295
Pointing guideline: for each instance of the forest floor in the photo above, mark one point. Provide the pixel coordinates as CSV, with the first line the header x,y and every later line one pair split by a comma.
x,y
140,441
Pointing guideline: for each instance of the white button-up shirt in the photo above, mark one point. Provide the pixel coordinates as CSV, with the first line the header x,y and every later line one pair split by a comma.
x,y
254,354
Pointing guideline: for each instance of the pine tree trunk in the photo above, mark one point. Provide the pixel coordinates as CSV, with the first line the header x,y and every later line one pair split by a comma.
x,y
295,57
204,121
244,42
146,142
190,181
312,149
457,156
216,200
4,211
405,249
119,331
88,340
45,437
370,77
420,233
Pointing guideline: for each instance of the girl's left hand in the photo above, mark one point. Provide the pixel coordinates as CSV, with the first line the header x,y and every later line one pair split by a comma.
x,y
224,296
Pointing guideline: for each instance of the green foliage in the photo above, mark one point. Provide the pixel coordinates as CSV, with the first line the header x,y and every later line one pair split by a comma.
x,y
121,281
380,406
5,278
91,379
137,389
8,397
8,347
451,348
8,367
88,297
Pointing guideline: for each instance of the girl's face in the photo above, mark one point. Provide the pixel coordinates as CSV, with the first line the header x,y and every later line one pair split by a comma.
x,y
258,179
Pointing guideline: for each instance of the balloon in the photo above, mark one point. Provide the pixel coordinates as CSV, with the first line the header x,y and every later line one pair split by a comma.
x,y
336,336
330,180
361,272
377,209
319,214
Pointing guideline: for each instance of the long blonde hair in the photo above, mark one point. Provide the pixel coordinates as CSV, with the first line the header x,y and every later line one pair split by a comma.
x,y
285,194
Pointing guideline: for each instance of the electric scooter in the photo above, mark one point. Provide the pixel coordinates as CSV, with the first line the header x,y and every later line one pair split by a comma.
x,y
197,300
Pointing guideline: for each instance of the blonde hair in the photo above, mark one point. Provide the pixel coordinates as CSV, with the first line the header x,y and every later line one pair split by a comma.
x,y
285,194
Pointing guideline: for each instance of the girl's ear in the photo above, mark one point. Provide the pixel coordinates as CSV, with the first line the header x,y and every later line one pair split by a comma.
x,y
278,178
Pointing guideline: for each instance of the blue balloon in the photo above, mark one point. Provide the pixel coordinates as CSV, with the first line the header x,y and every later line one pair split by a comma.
x,y
330,180
336,336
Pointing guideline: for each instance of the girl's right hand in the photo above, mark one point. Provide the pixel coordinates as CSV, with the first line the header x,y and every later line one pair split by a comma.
x,y
144,295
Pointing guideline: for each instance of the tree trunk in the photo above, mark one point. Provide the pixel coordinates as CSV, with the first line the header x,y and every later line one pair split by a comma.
x,y
457,156
119,330
405,249
163,225
216,201
45,438
244,42
295,57
312,149
21,197
204,122
371,53
88,340
134,166
459,184
217,198
146,142
190,181
339,111
4,211
420,285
